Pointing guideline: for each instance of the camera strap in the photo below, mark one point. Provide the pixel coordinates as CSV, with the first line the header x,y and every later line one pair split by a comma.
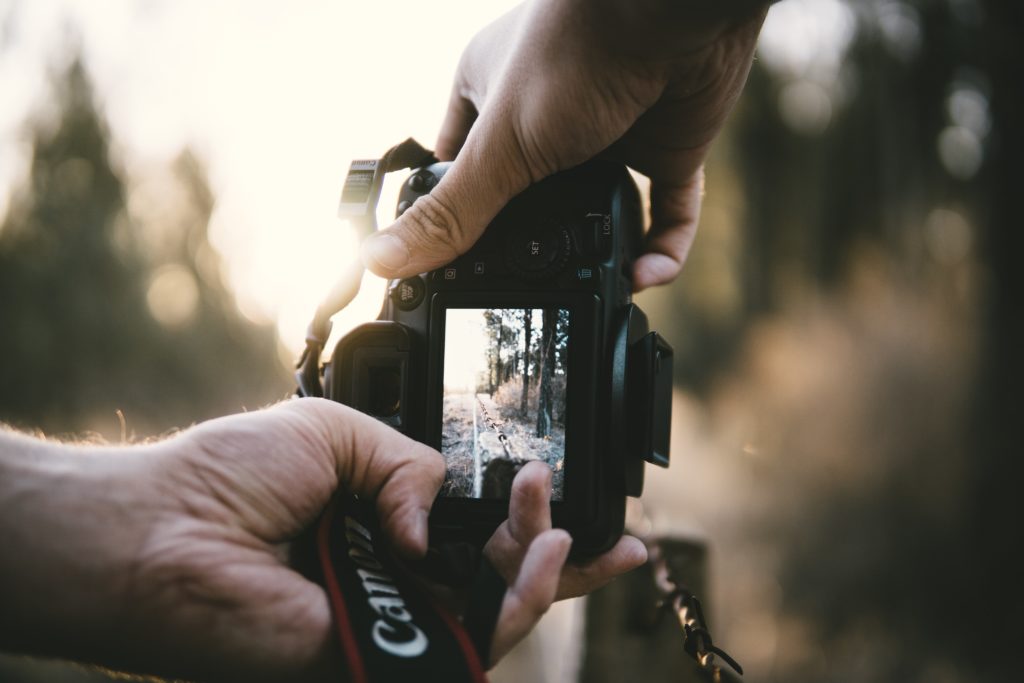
x,y
387,626
359,197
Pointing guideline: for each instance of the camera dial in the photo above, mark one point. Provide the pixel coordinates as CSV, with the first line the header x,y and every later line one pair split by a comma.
x,y
539,253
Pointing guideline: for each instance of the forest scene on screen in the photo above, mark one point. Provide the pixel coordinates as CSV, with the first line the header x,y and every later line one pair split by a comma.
x,y
505,374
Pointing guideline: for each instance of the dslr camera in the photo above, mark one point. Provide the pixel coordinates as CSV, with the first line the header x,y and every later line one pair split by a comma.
x,y
527,347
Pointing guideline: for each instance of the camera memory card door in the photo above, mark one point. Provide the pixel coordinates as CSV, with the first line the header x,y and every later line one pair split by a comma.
x,y
641,397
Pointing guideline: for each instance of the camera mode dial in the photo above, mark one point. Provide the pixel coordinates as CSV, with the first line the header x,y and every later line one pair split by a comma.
x,y
540,253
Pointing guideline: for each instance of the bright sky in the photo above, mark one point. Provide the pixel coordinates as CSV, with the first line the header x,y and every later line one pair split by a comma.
x,y
277,97
465,348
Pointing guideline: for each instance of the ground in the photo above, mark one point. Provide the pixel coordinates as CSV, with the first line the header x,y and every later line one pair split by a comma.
x,y
470,439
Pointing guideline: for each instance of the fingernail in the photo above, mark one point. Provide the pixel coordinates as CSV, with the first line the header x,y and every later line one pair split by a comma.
x,y
565,542
638,553
386,251
414,535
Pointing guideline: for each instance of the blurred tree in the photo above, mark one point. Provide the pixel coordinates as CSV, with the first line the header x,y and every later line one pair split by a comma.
x,y
912,174
545,405
994,551
527,343
91,321
897,153
807,195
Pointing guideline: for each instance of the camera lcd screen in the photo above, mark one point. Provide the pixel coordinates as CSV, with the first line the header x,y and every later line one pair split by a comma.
x,y
505,379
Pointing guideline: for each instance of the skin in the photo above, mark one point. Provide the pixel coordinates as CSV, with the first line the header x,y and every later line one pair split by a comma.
x,y
169,558
554,83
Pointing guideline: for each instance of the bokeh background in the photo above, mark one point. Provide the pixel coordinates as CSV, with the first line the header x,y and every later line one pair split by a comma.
x,y
848,331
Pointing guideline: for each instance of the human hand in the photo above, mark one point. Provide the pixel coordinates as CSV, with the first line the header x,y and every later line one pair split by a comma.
x,y
554,83
530,556
168,558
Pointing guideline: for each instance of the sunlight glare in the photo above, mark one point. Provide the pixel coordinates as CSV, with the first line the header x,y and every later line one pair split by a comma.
x,y
807,38
465,349
275,99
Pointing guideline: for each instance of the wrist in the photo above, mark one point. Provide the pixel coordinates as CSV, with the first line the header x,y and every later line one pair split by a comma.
x,y
675,27
70,528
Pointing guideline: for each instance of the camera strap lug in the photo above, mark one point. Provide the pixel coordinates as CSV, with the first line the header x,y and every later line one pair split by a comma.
x,y
359,197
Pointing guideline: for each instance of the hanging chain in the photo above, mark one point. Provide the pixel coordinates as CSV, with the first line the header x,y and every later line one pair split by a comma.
x,y
675,597
502,439
680,600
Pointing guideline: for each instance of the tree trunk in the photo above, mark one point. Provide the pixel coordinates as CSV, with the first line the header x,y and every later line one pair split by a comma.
x,y
527,332
995,436
547,372
500,370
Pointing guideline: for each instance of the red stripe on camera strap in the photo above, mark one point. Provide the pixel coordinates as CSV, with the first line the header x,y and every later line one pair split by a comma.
x,y
388,629
356,670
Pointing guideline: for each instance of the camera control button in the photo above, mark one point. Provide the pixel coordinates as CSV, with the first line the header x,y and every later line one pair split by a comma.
x,y
403,206
407,294
540,253
423,181
599,226
586,273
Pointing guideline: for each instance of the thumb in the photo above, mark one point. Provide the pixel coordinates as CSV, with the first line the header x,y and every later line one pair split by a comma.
x,y
372,459
489,170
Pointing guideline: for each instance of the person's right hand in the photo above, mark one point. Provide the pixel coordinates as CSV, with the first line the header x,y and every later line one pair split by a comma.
x,y
530,556
554,83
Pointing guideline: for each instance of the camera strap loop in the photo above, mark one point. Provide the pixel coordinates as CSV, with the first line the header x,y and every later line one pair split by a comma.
x,y
359,197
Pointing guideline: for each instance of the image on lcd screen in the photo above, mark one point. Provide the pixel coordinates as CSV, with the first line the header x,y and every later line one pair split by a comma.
x,y
505,375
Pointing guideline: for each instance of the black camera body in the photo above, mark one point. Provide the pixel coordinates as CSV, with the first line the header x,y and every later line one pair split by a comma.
x,y
527,347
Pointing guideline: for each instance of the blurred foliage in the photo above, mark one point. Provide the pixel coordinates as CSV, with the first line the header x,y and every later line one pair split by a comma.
x,y
103,309
848,336
850,322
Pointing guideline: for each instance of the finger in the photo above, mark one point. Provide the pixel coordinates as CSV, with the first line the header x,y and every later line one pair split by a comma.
x,y
374,460
529,507
489,170
529,516
534,590
457,123
675,210
580,579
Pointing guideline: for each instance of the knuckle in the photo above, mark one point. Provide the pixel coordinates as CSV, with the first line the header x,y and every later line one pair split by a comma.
x,y
589,574
434,227
535,604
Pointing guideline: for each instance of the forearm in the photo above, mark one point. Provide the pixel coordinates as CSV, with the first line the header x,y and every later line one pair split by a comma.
x,y
66,546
